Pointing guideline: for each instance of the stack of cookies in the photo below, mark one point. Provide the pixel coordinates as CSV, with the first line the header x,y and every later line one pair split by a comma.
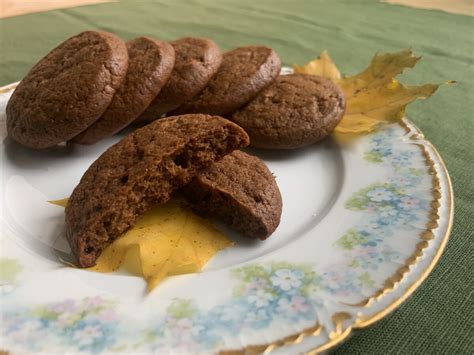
x,y
93,85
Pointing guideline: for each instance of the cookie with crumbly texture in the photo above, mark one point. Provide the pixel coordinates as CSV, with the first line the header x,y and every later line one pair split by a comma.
x,y
67,90
244,72
141,170
241,191
197,60
150,65
294,111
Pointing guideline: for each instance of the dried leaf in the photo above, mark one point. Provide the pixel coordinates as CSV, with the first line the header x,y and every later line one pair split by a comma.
x,y
380,72
374,96
167,240
62,202
367,109
323,66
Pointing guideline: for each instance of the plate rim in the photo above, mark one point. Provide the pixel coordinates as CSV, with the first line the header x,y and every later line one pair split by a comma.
x,y
415,135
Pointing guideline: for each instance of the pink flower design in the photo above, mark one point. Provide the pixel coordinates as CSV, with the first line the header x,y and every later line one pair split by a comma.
x,y
187,326
93,302
107,315
256,284
88,334
64,307
66,319
371,207
296,305
408,202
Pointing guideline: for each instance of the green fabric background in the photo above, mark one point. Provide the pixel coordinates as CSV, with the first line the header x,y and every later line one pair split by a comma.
x,y
438,318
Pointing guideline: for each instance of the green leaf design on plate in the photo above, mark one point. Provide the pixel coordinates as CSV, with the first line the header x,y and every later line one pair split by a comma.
x,y
264,273
417,171
182,308
373,157
250,272
350,240
43,313
366,280
360,200
9,270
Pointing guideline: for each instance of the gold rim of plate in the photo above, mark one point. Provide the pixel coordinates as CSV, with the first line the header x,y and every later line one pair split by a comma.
x,y
341,334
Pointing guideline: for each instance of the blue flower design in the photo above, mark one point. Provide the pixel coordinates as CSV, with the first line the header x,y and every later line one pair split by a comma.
x,y
88,325
287,279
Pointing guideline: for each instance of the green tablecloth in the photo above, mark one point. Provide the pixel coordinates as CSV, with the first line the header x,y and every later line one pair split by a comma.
x,y
438,318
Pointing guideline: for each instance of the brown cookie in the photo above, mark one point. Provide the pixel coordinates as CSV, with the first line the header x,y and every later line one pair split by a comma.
x,y
197,60
139,171
67,90
150,65
294,111
244,72
240,190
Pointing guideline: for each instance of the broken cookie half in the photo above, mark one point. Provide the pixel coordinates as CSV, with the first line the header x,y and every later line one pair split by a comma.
x,y
240,191
141,170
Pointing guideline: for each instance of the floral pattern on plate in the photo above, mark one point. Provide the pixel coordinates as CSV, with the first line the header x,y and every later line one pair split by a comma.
x,y
265,294
284,292
84,325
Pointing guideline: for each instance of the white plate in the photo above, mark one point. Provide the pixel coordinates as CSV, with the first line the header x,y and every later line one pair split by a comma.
x,y
363,224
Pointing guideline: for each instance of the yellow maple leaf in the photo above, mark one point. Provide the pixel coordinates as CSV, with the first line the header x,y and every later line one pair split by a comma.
x,y
323,66
62,202
167,240
373,96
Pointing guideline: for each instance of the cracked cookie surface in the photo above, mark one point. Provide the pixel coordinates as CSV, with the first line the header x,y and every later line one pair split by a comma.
x,y
244,72
294,111
197,60
150,65
67,90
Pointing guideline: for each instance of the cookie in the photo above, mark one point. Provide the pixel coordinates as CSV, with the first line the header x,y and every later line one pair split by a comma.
x,y
197,60
239,190
149,67
244,72
294,111
141,170
68,90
